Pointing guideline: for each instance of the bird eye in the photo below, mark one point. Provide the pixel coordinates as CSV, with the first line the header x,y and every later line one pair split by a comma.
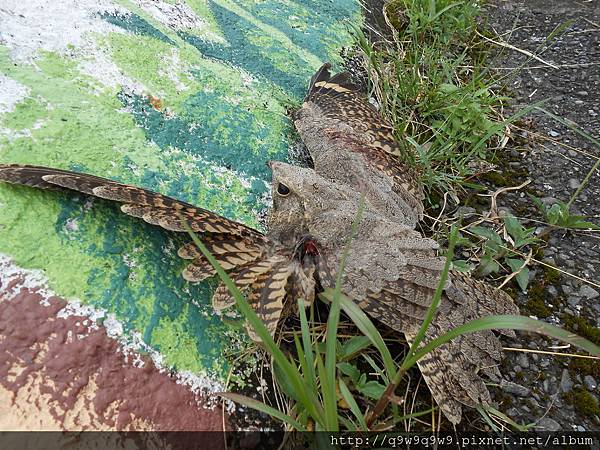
x,y
282,189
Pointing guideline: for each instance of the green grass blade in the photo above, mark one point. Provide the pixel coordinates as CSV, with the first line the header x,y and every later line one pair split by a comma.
x,y
328,396
353,346
390,423
307,343
506,322
347,395
504,417
437,296
486,417
375,368
301,356
366,326
260,406
332,326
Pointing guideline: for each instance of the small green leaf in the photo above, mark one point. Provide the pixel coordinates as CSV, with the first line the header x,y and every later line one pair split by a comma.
x,y
350,371
581,224
371,389
460,265
537,202
554,214
522,277
353,346
487,233
488,265
362,380
514,227
448,88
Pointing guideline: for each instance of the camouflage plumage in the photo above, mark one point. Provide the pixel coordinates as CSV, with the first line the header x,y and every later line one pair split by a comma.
x,y
392,270
351,144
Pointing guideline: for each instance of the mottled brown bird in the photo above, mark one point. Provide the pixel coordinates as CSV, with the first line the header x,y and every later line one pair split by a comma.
x,y
391,272
351,143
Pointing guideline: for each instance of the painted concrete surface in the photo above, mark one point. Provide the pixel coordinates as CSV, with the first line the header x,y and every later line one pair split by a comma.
x,y
188,98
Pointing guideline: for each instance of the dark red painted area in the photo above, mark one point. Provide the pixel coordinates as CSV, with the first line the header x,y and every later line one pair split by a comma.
x,y
32,337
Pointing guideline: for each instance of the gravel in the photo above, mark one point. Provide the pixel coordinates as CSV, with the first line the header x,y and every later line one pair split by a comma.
x,y
566,384
557,160
547,424
588,292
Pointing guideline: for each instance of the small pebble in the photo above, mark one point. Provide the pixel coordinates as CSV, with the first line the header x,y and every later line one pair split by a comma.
x,y
512,412
590,382
588,292
547,424
549,201
567,289
523,360
553,133
566,384
544,363
514,388
574,183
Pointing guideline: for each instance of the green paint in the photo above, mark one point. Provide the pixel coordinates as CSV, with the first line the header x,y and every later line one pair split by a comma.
x,y
137,25
274,35
223,91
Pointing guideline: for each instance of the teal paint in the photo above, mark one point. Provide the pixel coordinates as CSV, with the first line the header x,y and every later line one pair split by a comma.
x,y
111,289
136,24
243,53
243,150
310,24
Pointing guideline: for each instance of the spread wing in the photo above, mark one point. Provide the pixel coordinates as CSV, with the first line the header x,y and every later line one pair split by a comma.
x,y
336,119
392,273
450,371
244,252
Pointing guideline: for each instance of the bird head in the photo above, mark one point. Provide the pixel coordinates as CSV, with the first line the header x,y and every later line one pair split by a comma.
x,y
299,194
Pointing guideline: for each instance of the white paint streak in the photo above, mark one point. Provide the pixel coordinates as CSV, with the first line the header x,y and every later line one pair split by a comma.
x,y
12,93
28,26
98,65
131,344
171,66
178,16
